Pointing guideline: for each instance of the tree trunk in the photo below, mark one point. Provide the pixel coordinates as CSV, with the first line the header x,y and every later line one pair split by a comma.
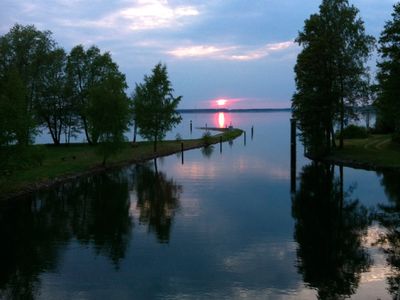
x,y
85,127
52,134
134,132
341,112
341,122
155,144
333,137
155,165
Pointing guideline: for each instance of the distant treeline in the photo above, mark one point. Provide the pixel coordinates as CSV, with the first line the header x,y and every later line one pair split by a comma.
x,y
251,110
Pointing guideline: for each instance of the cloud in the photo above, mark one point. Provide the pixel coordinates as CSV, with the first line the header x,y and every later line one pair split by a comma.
x,y
237,53
142,15
199,51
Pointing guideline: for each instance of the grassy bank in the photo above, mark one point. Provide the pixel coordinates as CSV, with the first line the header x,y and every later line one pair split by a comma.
x,y
65,162
374,153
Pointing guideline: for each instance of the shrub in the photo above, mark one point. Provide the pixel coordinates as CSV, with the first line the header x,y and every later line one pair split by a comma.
x,y
355,132
207,138
37,155
178,137
396,137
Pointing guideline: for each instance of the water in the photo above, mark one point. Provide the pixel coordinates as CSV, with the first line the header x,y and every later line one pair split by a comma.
x,y
220,226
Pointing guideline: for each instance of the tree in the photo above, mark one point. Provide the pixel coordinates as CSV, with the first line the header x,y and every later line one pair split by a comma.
x,y
54,105
388,216
329,229
330,73
22,52
388,101
155,106
86,70
158,198
14,118
108,114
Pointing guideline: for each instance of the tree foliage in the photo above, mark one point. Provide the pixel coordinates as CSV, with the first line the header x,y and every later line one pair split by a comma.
x,y
54,105
22,53
388,100
88,70
155,106
330,72
108,114
42,86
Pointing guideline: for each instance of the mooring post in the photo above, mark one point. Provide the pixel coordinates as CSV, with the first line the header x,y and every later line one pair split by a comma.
x,y
293,155
244,138
183,160
191,127
341,188
220,144
252,132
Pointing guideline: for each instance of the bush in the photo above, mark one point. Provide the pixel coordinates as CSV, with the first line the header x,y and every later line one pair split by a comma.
x,y
17,157
207,138
37,155
354,132
396,137
178,137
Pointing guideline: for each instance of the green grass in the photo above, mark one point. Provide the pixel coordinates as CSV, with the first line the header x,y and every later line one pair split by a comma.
x,y
377,151
67,160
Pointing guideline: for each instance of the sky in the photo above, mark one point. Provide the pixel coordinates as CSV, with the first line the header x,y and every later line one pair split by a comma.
x,y
239,50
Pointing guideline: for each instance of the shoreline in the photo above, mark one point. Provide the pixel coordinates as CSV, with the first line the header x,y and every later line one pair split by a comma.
x,y
375,153
355,164
98,169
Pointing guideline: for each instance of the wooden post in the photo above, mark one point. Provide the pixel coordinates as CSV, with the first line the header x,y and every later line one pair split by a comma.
x,y
191,127
183,160
244,138
293,155
220,144
341,188
252,132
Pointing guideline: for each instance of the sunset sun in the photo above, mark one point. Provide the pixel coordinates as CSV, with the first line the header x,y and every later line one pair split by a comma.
x,y
221,102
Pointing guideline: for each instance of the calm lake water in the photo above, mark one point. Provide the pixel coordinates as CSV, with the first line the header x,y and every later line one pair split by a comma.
x,y
220,226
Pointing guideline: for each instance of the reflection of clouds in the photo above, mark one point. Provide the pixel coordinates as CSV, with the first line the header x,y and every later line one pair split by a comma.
x,y
134,211
373,283
255,255
197,170
243,165
236,293
190,207
263,168
269,293
374,235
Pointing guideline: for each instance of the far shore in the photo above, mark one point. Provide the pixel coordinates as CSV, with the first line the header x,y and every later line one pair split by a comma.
x,y
64,163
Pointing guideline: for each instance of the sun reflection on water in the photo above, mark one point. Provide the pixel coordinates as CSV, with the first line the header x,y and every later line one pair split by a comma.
x,y
221,120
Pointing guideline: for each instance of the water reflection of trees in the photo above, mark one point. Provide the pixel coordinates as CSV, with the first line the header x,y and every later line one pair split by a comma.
x,y
34,231
329,229
388,215
157,200
207,151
